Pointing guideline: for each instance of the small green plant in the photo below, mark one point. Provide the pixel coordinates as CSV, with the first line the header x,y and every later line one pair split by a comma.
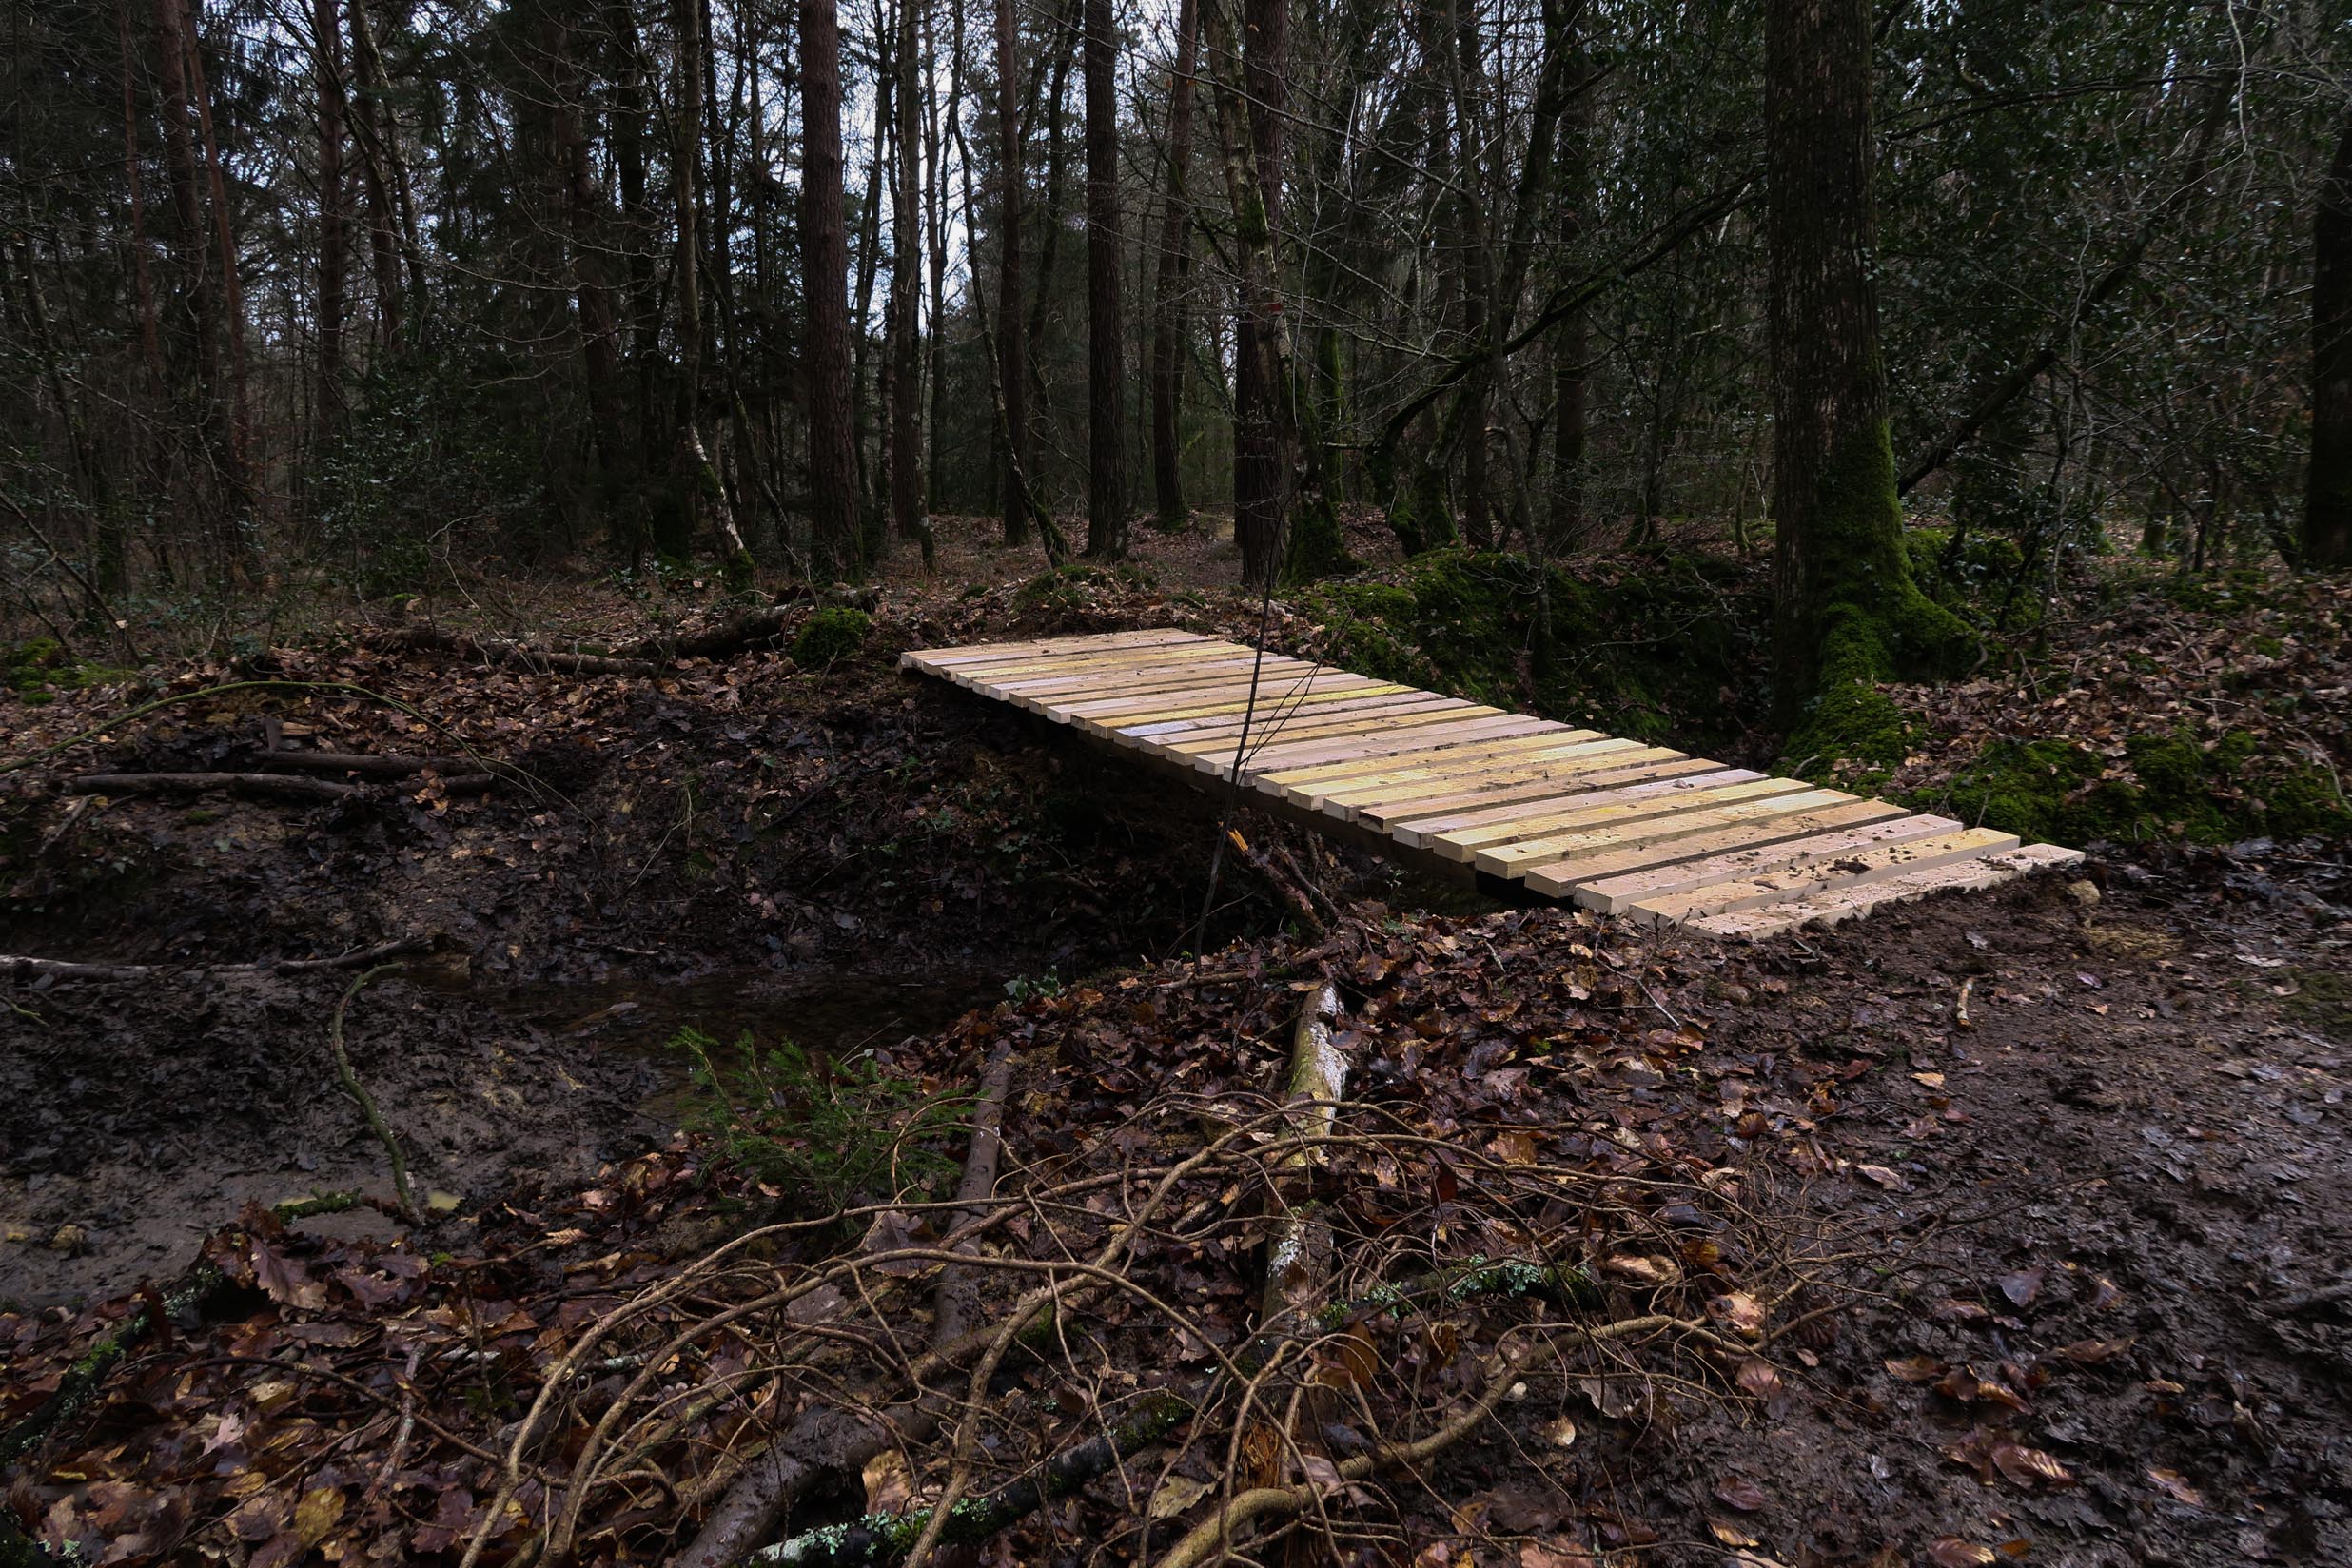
x,y
830,636
1027,987
831,1133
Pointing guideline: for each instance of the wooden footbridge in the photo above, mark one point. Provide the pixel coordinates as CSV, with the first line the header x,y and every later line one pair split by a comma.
x,y
1524,805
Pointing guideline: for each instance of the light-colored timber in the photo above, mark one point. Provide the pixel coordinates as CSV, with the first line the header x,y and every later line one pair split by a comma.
x,y
1524,806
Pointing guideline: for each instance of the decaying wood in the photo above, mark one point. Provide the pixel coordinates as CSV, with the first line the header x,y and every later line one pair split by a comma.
x,y
825,1440
1298,1261
499,651
366,1101
16,966
366,764
290,786
1290,889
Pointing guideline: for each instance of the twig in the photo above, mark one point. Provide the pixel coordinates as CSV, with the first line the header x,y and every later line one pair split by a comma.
x,y
367,1106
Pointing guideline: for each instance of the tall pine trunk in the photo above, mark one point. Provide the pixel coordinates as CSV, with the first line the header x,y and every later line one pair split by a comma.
x,y
1847,613
2327,539
1171,273
1107,504
327,70
1012,363
825,258
905,420
1258,468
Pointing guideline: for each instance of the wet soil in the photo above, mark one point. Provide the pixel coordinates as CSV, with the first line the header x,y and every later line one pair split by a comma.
x,y
2108,1224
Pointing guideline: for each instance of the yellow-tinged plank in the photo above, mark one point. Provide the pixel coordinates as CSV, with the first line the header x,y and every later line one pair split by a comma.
x,y
1219,696
1462,757
1845,904
1214,755
1502,851
1077,643
1303,721
1465,825
1561,878
1005,656
1626,835
1403,787
1142,677
1735,852
1879,863
1099,677
1384,816
1283,757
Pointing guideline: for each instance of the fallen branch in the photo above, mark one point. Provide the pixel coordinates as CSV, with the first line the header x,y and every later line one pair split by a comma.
x,y
86,1377
365,764
1292,893
499,651
291,787
15,965
823,1440
1211,1538
879,1539
367,1104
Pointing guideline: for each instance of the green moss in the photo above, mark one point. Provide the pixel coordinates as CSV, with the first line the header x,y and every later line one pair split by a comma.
x,y
2168,786
1647,653
1075,586
830,636
1317,547
40,667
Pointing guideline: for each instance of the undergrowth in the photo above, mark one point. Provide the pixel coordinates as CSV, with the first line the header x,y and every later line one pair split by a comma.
x,y
825,1133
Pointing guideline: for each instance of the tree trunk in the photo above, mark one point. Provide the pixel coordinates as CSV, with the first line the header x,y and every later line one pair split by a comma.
x,y
1011,366
825,250
2326,539
150,329
231,286
1107,506
1173,269
585,217
1847,613
1258,462
327,70
936,198
906,293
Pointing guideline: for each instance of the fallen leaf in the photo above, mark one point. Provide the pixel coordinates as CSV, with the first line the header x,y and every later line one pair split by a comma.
x,y
2176,1485
1740,1493
2026,1466
1951,1552
1740,1312
1729,1533
1174,1495
1761,1379
316,1513
2021,1287
1561,1433
2092,1352
1916,1368
1883,1176
1554,1553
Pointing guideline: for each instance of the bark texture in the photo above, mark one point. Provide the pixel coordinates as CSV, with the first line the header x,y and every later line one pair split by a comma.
x,y
832,461
2326,539
1847,612
1106,502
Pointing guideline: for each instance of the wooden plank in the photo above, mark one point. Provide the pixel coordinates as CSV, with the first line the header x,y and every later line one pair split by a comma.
x,y
1219,696
1368,734
1189,748
1845,904
1626,835
1504,851
1609,894
1560,878
1576,794
1068,664
1882,863
1382,815
1099,678
997,653
1293,723
1283,757
1140,677
1273,715
1401,788
1456,757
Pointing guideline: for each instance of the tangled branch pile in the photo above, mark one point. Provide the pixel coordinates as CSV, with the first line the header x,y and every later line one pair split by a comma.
x,y
1189,1297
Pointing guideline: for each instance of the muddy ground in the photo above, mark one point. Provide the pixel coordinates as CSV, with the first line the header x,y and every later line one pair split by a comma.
x,y
2111,1205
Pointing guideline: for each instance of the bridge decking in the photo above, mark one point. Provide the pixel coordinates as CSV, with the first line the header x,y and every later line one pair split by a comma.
x,y
1565,813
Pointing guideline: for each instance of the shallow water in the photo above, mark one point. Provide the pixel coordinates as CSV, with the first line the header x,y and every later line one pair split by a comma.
x,y
839,1014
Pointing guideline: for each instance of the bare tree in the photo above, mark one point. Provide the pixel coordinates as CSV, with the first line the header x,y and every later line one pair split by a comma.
x,y
825,259
1106,502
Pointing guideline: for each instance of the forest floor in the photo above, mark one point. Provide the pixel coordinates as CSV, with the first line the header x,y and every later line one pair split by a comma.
x,y
2039,1195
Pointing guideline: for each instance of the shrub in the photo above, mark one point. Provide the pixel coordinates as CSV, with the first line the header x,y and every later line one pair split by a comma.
x,y
831,636
832,1133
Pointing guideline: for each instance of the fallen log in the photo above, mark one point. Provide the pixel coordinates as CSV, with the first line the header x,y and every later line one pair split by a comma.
x,y
499,651
826,1440
365,764
289,786
16,966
